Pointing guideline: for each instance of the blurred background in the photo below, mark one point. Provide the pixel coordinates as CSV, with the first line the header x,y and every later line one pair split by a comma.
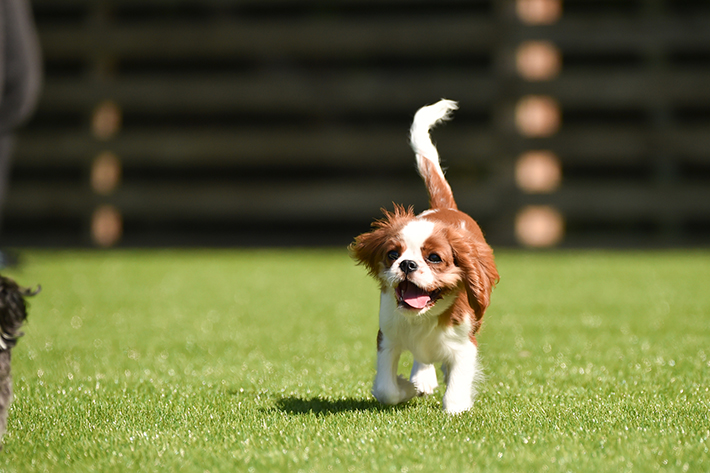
x,y
285,122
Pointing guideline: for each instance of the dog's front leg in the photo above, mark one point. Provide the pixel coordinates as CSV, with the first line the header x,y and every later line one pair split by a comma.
x,y
389,388
461,374
424,378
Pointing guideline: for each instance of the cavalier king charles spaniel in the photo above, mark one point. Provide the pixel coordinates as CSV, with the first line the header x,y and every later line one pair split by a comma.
x,y
436,273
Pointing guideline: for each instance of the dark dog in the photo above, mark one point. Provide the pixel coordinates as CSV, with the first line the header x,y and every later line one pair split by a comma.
x,y
13,313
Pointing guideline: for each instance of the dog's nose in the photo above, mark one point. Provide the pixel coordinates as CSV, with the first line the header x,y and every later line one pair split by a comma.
x,y
408,266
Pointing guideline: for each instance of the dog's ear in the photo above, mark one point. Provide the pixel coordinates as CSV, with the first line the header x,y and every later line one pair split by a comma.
x,y
368,249
475,258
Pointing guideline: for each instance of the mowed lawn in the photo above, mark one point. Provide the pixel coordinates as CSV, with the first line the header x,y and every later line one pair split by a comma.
x,y
262,360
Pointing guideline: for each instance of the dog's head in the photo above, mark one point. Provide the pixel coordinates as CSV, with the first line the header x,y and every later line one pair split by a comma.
x,y
13,311
422,259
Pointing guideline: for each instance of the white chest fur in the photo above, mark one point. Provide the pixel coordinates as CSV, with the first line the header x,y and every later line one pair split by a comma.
x,y
429,342
421,333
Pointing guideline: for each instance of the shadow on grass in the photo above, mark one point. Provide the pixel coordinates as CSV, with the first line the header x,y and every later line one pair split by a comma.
x,y
319,406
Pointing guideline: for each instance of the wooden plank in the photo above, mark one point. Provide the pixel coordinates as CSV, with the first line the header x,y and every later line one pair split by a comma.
x,y
43,4
305,91
350,201
317,37
691,142
614,34
623,145
631,87
372,91
342,146
599,143
619,202
263,201
312,146
49,200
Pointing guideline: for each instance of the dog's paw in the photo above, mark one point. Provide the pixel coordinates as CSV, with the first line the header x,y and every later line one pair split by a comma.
x,y
457,403
406,388
424,379
403,391
457,408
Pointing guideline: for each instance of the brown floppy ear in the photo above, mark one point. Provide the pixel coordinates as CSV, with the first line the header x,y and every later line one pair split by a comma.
x,y
475,258
367,249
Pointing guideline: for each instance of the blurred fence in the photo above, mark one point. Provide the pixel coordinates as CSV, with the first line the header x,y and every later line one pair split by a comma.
x,y
285,121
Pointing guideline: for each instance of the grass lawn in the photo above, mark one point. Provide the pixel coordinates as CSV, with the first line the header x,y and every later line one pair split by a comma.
x,y
263,360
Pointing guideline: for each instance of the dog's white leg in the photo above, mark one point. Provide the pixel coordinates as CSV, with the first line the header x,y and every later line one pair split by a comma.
x,y
424,378
389,388
462,372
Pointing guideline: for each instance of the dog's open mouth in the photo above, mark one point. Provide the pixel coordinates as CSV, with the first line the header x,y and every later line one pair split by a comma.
x,y
411,296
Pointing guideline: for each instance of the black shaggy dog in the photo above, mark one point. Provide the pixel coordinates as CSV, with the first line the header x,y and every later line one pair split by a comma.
x,y
13,312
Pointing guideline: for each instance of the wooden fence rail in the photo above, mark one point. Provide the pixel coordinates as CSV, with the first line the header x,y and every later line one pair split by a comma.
x,y
250,121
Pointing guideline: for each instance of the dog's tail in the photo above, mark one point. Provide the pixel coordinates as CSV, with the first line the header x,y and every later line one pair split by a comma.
x,y
440,195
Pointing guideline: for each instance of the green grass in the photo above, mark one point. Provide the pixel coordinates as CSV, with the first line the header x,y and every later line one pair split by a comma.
x,y
263,361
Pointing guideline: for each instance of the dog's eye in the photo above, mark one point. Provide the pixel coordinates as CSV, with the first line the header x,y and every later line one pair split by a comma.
x,y
434,258
393,255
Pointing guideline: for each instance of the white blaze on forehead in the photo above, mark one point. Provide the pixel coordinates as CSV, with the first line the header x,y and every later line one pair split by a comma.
x,y
414,234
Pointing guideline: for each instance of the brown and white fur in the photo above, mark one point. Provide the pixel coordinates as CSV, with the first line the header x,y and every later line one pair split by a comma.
x,y
13,312
436,273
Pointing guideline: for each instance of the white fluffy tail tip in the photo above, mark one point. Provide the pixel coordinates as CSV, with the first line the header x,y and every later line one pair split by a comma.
x,y
432,114
424,120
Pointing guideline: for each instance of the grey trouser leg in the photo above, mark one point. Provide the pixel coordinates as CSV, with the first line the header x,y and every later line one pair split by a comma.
x,y
20,77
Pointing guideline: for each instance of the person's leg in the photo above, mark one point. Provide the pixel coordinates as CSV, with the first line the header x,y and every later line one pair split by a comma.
x,y
20,82
20,64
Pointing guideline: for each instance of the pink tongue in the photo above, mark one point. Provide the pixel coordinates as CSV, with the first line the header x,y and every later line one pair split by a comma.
x,y
414,297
